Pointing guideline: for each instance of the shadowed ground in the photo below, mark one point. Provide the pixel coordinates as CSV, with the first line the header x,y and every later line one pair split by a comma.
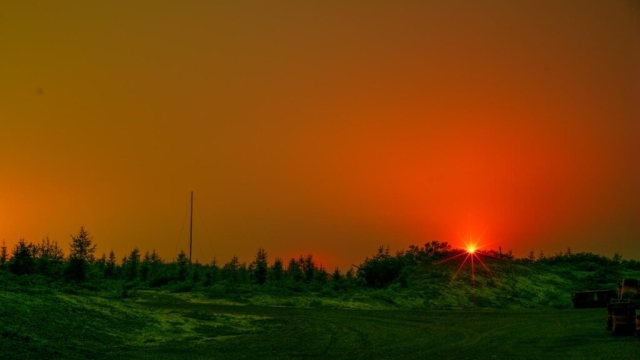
x,y
333,333
178,326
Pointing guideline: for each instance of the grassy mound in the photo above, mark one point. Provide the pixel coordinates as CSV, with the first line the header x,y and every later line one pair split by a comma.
x,y
41,323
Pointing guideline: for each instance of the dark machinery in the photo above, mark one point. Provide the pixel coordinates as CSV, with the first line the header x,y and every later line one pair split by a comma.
x,y
593,298
623,315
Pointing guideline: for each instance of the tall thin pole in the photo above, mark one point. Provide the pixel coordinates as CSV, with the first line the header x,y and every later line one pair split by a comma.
x,y
191,228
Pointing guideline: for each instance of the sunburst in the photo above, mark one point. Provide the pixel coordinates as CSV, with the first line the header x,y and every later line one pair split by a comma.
x,y
471,253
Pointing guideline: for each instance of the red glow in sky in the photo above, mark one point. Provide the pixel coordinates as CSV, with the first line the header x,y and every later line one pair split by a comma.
x,y
326,127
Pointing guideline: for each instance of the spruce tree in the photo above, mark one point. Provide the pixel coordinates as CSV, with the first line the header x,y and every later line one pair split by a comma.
x,y
110,266
133,263
213,275
350,275
50,257
145,267
260,267
23,258
3,256
294,272
155,273
321,275
336,276
308,267
277,270
80,255
101,263
182,261
336,279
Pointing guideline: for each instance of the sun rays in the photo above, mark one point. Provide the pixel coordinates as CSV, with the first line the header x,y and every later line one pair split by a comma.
x,y
472,254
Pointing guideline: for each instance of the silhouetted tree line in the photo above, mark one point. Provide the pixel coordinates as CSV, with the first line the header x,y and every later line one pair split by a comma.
x,y
379,271
47,259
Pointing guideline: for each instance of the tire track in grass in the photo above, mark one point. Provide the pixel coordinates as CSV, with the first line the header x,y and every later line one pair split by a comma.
x,y
350,339
381,334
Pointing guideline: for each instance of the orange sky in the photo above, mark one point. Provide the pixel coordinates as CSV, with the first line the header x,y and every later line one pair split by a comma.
x,y
328,127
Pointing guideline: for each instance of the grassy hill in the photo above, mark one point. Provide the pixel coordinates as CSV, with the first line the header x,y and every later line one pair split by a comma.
x,y
38,322
187,308
510,285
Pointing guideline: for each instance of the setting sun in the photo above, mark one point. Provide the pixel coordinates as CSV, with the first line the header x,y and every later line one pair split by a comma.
x,y
471,246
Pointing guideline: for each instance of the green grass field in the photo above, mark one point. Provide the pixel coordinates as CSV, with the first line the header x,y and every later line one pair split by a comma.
x,y
160,325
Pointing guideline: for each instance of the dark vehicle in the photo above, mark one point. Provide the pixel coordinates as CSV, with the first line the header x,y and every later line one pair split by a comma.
x,y
622,315
593,299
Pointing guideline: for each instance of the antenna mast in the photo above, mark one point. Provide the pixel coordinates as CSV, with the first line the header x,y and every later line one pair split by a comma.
x,y
191,228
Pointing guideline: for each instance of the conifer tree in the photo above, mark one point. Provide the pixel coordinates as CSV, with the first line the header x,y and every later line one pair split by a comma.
x,y
80,255
336,276
336,279
541,256
155,268
617,258
294,272
321,275
23,258
243,273
308,267
350,275
231,270
277,270
50,257
133,263
196,270
213,275
260,267
110,266
101,263
145,267
3,256
182,261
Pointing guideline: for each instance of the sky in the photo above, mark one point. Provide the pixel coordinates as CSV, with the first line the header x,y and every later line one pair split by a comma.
x,y
322,127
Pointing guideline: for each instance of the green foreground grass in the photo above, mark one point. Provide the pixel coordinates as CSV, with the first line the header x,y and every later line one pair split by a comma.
x,y
164,325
